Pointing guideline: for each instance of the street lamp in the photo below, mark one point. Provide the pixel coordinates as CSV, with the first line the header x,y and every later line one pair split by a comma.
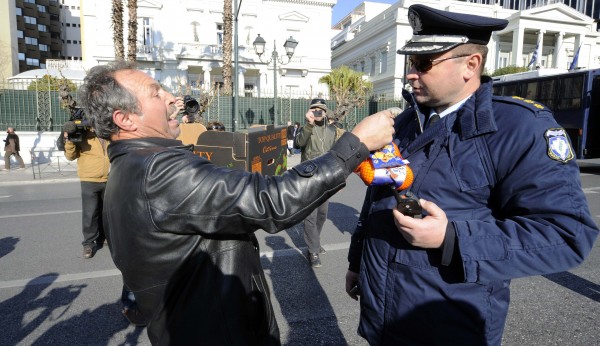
x,y
259,47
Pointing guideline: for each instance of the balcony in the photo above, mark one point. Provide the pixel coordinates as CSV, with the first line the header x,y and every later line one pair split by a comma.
x,y
199,51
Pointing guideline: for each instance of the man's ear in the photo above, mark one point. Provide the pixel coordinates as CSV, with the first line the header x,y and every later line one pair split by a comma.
x,y
473,65
124,120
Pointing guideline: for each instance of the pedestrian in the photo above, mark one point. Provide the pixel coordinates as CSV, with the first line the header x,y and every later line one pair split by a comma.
x,y
92,169
181,229
498,186
290,134
316,137
12,147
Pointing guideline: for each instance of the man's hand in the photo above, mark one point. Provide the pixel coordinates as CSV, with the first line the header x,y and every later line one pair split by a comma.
x,y
310,117
428,232
351,281
376,130
177,107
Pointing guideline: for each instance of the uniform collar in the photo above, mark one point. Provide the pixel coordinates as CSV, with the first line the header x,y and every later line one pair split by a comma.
x,y
476,116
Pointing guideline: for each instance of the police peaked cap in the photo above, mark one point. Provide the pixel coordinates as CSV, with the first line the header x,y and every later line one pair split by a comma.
x,y
436,31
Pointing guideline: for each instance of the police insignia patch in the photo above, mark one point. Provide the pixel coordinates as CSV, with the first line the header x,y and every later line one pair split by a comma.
x,y
559,146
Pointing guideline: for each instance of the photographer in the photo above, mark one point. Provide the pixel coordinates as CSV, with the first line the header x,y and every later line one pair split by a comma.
x,y
92,169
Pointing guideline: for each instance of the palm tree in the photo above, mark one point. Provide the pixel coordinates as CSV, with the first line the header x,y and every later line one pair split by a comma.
x,y
348,89
227,46
132,27
117,24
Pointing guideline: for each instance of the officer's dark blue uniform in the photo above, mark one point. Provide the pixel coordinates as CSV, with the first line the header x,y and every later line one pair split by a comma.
x,y
502,170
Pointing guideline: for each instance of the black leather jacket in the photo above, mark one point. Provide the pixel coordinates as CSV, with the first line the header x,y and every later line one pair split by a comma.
x,y
180,230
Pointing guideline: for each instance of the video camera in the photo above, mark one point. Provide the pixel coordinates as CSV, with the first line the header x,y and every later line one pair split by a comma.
x,y
77,126
191,107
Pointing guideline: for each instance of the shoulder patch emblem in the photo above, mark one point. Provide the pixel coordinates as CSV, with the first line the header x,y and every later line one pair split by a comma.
x,y
559,146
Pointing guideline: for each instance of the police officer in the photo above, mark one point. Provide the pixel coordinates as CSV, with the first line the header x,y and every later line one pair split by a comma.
x,y
499,189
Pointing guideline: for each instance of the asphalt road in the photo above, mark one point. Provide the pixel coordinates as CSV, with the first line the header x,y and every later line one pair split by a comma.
x,y
50,295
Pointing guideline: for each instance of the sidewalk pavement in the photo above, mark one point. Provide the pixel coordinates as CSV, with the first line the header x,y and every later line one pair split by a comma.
x,y
48,174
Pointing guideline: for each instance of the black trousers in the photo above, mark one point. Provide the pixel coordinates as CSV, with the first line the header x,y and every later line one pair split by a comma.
x,y
92,197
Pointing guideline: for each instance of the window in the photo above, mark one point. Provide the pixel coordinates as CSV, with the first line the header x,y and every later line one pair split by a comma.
x,y
147,39
19,11
372,67
32,62
548,93
42,28
22,56
219,33
383,62
31,40
68,24
43,47
362,66
570,92
68,41
20,33
30,20
30,1
41,8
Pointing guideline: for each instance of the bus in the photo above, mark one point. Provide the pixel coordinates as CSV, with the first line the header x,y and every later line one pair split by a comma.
x,y
573,96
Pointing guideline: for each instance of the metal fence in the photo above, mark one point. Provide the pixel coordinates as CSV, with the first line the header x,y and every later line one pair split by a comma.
x,y
31,110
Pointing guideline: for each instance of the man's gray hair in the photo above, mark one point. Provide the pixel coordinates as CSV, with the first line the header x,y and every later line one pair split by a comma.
x,y
101,95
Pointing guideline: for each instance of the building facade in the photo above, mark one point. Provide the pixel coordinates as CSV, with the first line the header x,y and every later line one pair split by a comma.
x,y
369,37
29,34
180,43
70,29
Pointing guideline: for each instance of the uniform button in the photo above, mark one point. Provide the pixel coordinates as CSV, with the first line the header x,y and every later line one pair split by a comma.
x,y
309,168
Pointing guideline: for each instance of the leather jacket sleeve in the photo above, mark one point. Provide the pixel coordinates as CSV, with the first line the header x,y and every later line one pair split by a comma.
x,y
185,194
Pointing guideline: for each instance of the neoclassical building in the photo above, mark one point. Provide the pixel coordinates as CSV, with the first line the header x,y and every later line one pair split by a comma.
x,y
180,42
368,37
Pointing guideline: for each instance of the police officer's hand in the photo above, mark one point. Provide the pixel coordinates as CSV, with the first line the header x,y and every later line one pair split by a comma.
x,y
375,131
428,232
351,282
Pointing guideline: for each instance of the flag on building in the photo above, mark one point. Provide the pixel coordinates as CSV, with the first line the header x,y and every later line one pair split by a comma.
x,y
575,59
534,56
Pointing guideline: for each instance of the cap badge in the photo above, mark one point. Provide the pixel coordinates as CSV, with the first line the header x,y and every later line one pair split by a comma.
x,y
415,22
559,147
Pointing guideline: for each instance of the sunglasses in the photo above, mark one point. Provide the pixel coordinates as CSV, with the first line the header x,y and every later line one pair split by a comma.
x,y
424,65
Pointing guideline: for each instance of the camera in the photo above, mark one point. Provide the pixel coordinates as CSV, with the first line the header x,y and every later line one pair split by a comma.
x,y
191,107
77,126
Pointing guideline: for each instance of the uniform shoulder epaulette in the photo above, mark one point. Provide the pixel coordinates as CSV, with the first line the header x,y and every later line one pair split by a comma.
x,y
526,103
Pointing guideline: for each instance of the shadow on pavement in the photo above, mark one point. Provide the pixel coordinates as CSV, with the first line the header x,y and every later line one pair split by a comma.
x,y
304,304
7,245
576,284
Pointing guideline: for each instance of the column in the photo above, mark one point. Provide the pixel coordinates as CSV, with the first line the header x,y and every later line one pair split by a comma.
x,y
517,46
558,49
540,48
241,81
206,79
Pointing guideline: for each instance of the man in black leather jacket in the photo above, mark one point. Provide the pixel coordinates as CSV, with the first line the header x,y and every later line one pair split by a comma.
x,y
180,229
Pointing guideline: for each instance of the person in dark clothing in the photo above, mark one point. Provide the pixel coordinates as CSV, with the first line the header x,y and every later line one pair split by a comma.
x,y
181,229
500,193
12,147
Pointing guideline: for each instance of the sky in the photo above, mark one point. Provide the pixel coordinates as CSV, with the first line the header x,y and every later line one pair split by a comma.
x,y
343,7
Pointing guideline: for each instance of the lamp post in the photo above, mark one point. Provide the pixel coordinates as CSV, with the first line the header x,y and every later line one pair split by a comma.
x,y
259,48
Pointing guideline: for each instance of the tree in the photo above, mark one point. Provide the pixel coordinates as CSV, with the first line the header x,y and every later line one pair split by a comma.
x,y
117,24
348,89
227,46
509,70
132,27
48,82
